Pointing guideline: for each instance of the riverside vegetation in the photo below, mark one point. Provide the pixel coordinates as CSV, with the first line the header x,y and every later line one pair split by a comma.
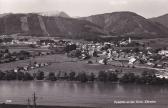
x,y
102,76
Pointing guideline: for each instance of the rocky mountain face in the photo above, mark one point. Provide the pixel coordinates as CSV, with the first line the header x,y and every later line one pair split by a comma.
x,y
161,19
127,23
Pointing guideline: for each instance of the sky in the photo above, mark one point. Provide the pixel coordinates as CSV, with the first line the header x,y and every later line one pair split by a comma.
x,y
80,8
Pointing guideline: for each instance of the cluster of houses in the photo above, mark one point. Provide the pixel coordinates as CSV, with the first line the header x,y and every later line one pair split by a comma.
x,y
30,67
13,41
124,52
113,52
138,55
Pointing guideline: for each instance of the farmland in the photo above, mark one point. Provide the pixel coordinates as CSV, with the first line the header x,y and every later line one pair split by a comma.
x,y
61,63
118,54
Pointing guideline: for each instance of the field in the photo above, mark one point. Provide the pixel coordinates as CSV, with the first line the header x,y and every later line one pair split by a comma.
x,y
156,43
18,49
61,63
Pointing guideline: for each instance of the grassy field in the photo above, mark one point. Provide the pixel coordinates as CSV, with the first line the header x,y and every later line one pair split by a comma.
x,y
60,62
64,64
155,43
18,49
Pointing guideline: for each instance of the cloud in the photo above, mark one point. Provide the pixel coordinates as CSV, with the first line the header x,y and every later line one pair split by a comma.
x,y
118,2
147,8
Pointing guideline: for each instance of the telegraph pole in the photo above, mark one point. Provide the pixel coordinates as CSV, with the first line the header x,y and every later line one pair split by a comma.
x,y
28,103
34,100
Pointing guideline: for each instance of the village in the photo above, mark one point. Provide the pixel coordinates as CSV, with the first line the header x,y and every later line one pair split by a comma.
x,y
123,53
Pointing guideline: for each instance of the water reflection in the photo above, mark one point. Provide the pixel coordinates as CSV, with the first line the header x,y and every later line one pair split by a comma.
x,y
76,93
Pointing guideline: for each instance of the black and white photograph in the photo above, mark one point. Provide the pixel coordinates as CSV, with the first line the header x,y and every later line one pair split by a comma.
x,y
83,54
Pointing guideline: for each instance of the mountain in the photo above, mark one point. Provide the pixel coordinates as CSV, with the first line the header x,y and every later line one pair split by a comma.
x,y
92,27
161,19
2,15
55,13
37,25
127,23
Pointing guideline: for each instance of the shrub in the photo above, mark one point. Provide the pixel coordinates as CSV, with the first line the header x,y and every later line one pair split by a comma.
x,y
40,75
51,76
27,76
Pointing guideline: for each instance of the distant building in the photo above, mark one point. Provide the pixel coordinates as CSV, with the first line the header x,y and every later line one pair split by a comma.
x,y
129,40
163,52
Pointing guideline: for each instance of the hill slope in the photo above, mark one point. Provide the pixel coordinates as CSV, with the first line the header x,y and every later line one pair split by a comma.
x,y
37,25
117,23
127,23
161,19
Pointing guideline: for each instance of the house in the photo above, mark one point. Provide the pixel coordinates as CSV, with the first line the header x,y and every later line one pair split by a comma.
x,y
132,60
163,52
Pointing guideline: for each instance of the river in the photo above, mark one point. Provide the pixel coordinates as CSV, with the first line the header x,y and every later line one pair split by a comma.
x,y
105,95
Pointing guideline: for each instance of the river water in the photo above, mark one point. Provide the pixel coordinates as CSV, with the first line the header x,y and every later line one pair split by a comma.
x,y
103,95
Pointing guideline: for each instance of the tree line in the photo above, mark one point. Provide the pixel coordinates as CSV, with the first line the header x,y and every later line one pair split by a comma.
x,y
102,76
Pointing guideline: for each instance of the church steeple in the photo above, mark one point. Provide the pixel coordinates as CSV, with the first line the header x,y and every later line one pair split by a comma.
x,y
129,40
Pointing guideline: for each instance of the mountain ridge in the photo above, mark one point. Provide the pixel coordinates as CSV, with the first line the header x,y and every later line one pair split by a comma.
x,y
126,22
54,13
163,19
123,23
37,25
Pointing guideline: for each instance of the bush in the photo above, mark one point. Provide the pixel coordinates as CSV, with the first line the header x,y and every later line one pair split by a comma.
x,y
128,78
10,75
102,76
51,76
72,76
20,75
65,77
27,76
2,74
82,77
40,75
92,77
112,77
90,62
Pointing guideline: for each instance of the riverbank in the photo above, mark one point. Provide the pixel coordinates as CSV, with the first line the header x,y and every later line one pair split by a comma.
x,y
39,106
114,76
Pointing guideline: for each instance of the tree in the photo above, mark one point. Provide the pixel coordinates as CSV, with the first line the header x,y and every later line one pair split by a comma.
x,y
144,74
27,76
10,75
69,48
40,75
66,77
6,50
51,76
92,77
102,76
20,75
74,53
128,78
112,77
7,40
72,76
23,55
82,77
149,78
95,54
105,61
2,74
58,74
